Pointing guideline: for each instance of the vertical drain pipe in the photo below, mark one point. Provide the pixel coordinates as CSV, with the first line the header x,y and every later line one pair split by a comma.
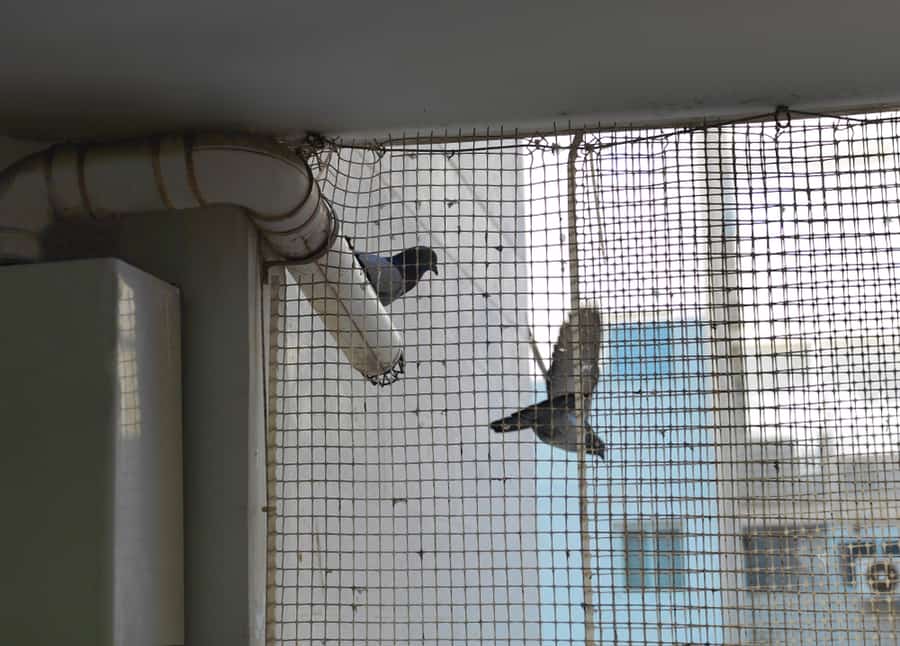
x,y
268,181
587,572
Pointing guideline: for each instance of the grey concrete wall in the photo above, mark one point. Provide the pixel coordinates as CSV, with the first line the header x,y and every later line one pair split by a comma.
x,y
212,256
90,414
109,70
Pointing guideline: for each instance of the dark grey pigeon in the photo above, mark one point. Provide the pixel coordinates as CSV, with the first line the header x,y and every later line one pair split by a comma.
x,y
554,420
395,276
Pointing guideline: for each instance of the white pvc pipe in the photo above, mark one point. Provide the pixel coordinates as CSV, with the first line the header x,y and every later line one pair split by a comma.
x,y
273,185
337,288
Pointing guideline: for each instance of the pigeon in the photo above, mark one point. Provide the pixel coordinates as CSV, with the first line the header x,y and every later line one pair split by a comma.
x,y
554,420
395,276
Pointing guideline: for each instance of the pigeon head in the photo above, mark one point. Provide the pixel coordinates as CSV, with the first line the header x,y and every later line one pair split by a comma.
x,y
415,261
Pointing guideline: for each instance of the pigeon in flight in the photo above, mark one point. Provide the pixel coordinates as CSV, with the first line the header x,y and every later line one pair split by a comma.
x,y
395,276
555,420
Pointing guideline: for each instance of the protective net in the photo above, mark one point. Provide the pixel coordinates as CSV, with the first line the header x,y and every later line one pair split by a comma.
x,y
747,280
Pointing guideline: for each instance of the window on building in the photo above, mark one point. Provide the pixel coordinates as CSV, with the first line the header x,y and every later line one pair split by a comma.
x,y
851,551
654,557
770,558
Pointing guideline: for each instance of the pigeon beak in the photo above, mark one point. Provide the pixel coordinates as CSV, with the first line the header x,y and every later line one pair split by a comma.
x,y
434,269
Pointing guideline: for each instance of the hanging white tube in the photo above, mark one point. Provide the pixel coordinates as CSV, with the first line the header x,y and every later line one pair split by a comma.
x,y
337,288
268,181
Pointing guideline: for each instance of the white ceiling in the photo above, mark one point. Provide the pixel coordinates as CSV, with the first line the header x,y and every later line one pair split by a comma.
x,y
111,68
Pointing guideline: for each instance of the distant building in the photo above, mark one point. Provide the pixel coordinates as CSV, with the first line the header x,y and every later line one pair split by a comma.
x,y
817,551
822,558
655,524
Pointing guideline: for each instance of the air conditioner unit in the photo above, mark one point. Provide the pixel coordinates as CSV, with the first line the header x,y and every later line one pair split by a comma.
x,y
877,578
878,574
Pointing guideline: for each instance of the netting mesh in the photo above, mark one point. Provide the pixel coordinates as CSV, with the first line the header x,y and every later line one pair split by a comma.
x,y
747,279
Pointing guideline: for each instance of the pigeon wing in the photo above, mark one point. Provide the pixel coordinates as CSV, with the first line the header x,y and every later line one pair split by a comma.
x,y
584,326
386,278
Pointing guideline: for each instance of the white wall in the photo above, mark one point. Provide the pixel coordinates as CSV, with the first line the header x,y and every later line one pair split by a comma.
x,y
394,523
